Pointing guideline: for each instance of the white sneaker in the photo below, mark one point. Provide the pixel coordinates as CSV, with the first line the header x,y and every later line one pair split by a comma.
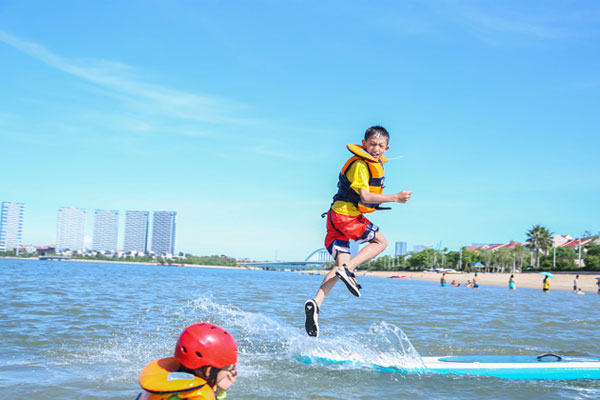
x,y
349,280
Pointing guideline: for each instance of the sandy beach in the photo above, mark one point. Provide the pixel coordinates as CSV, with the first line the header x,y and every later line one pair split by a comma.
x,y
532,280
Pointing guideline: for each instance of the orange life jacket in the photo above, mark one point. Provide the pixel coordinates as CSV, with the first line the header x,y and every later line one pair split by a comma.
x,y
376,178
162,380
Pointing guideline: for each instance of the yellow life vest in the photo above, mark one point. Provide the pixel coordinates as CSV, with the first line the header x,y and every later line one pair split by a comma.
x,y
162,379
376,179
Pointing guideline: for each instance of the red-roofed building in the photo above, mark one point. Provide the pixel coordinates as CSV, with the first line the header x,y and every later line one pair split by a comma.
x,y
510,245
559,240
473,248
574,244
514,244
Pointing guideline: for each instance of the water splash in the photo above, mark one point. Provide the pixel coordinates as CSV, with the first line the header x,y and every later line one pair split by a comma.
x,y
383,347
264,343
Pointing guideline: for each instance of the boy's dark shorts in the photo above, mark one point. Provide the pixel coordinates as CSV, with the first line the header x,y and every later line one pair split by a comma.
x,y
343,228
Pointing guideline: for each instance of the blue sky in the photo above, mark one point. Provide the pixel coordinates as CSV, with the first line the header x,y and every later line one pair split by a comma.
x,y
236,115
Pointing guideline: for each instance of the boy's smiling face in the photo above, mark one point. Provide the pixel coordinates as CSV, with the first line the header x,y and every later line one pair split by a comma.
x,y
376,145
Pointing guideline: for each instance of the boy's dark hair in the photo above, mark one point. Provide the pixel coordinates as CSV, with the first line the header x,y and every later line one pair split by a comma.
x,y
377,131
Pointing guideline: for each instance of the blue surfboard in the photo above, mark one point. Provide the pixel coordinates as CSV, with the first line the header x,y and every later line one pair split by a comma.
x,y
545,366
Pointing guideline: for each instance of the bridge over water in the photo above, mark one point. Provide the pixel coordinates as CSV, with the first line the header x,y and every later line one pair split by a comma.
x,y
315,260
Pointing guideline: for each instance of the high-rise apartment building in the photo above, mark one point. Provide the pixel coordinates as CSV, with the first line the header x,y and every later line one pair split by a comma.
x,y
11,225
401,249
71,229
106,228
136,231
163,232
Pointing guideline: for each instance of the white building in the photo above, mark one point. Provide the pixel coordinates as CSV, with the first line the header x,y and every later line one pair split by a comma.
x,y
106,228
11,225
560,240
136,232
163,232
71,229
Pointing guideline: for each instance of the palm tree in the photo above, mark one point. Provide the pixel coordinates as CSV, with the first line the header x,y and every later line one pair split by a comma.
x,y
539,238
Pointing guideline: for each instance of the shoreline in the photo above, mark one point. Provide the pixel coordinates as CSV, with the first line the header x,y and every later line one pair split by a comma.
x,y
531,280
136,262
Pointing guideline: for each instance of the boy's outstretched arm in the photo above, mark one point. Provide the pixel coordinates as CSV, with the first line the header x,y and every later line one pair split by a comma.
x,y
374,198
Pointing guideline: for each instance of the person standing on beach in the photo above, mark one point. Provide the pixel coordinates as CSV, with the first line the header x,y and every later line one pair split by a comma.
x,y
546,284
360,190
575,285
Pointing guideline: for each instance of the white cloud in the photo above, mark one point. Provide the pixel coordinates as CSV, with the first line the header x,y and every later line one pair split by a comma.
x,y
151,100
550,21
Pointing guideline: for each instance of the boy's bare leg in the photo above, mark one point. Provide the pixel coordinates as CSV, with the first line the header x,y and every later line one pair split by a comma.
x,y
330,279
369,252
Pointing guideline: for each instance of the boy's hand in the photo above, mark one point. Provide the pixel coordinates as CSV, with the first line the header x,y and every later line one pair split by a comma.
x,y
226,377
403,196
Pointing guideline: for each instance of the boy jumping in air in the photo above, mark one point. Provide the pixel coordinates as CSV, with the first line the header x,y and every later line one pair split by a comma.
x,y
360,190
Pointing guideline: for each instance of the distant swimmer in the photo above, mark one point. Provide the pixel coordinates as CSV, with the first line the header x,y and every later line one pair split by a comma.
x,y
511,282
443,280
475,281
360,190
203,367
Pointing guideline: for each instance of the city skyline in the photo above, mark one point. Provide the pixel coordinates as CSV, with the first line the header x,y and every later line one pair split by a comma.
x,y
72,222
71,232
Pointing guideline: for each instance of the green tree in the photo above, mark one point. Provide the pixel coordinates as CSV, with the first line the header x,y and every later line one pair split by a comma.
x,y
422,260
521,257
386,263
470,257
565,259
504,259
592,257
453,260
539,239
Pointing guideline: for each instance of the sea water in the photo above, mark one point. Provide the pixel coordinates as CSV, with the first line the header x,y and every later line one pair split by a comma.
x,y
78,330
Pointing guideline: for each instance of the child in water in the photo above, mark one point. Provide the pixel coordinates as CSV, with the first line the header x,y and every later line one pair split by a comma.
x,y
203,367
546,284
360,190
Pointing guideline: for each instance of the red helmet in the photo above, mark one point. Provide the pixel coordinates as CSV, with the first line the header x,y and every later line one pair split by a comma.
x,y
206,344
